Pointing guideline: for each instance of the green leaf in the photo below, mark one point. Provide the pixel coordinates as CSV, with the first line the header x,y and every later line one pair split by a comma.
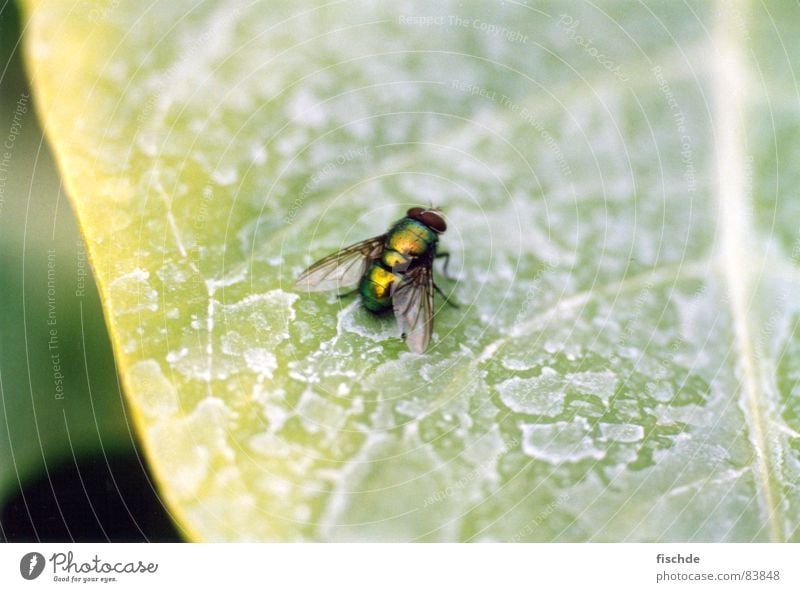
x,y
623,366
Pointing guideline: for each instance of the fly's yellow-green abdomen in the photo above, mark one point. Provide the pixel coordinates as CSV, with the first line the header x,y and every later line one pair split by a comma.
x,y
395,260
376,288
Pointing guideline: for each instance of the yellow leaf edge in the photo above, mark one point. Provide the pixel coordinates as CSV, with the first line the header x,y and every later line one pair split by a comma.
x,y
46,79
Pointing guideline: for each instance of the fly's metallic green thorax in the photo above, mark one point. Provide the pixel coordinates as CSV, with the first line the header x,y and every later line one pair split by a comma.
x,y
412,238
408,243
393,271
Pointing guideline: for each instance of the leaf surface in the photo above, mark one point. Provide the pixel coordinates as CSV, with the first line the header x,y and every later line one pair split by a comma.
x,y
619,216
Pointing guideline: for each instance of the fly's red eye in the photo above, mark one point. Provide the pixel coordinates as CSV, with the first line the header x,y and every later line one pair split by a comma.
x,y
433,220
415,213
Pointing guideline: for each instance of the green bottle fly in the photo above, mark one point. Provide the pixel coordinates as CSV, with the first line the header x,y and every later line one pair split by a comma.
x,y
393,271
408,242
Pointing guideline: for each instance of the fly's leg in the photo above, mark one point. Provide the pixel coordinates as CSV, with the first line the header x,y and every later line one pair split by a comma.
x,y
446,257
449,301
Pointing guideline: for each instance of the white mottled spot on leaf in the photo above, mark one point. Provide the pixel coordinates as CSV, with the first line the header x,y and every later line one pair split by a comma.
x,y
302,109
172,273
183,462
356,320
621,432
158,396
212,420
545,394
600,384
261,361
560,442
541,395
269,445
187,447
132,293
261,322
258,154
225,176
317,413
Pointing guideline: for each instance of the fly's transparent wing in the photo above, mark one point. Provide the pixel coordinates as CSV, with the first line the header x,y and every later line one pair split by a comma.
x,y
412,302
343,268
